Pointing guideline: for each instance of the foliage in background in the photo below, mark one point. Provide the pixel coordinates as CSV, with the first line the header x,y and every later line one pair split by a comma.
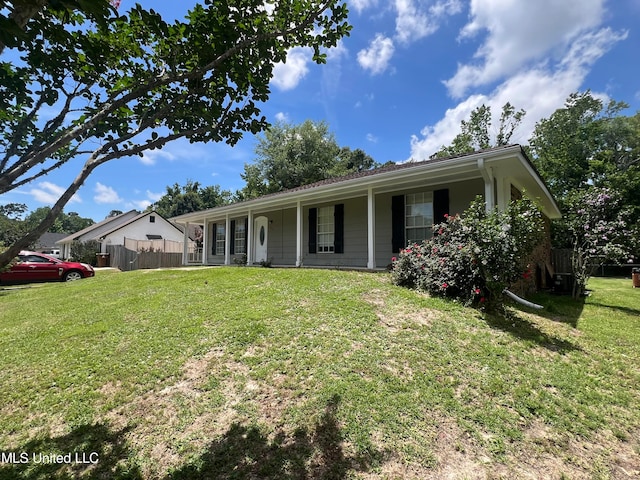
x,y
475,133
588,143
597,224
64,223
474,257
12,227
190,198
289,156
85,252
136,82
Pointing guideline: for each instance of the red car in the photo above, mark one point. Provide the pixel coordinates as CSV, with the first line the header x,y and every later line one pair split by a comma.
x,y
38,267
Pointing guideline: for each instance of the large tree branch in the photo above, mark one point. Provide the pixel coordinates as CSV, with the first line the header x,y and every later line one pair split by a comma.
x,y
10,177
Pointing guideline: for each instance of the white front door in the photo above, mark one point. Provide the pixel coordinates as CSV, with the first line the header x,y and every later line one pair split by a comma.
x,y
260,235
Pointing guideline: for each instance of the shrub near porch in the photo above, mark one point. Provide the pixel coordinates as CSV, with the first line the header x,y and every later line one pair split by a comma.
x,y
474,257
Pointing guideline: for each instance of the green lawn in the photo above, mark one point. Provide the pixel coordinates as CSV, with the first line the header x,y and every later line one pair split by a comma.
x,y
293,373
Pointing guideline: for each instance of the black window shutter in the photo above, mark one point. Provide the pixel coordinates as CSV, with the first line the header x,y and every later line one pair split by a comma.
x,y
246,235
213,238
397,223
232,246
338,225
313,230
440,205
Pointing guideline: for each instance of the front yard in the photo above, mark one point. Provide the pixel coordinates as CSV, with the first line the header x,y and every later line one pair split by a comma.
x,y
291,374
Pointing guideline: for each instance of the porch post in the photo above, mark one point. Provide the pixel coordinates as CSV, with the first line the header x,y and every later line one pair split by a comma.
x,y
227,241
371,229
487,176
185,245
249,234
205,241
299,234
504,193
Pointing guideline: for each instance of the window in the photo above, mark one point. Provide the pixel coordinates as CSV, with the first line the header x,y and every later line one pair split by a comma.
x,y
219,239
240,238
152,219
418,216
326,230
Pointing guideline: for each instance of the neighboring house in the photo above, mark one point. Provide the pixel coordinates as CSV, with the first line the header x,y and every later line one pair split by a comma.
x,y
361,220
130,225
47,243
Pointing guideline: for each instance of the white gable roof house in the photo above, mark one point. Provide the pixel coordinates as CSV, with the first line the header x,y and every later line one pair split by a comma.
x,y
148,228
361,220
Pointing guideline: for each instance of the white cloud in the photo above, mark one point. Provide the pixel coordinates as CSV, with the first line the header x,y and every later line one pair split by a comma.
x,y
150,157
539,91
361,5
105,194
376,58
282,117
154,196
372,138
414,20
287,75
50,193
139,204
519,34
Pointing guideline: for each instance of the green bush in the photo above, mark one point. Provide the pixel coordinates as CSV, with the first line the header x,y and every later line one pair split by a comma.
x,y
85,252
474,257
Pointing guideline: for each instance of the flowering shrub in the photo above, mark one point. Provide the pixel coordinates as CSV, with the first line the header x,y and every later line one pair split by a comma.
x,y
599,232
474,257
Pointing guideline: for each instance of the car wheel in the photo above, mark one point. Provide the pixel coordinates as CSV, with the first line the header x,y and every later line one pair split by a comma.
x,y
72,275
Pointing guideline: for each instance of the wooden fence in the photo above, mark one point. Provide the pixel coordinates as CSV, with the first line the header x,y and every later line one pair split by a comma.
x,y
561,260
126,259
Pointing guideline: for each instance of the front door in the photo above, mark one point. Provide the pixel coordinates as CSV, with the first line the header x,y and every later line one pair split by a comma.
x,y
260,234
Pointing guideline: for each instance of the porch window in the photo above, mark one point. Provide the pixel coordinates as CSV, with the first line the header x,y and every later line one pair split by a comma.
x,y
240,238
326,238
220,238
418,216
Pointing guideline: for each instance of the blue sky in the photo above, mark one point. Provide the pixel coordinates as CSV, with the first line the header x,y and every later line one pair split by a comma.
x,y
397,87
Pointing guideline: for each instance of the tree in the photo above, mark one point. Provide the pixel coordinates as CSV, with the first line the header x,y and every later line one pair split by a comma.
x,y
21,12
137,82
598,227
586,144
64,223
563,144
190,198
11,225
289,156
475,133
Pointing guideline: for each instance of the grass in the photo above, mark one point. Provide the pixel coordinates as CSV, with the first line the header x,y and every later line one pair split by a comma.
x,y
268,373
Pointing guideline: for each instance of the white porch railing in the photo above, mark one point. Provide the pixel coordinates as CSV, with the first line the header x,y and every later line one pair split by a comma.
x,y
194,254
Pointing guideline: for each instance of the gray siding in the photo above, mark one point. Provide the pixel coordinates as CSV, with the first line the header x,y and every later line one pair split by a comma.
x,y
460,196
355,236
281,240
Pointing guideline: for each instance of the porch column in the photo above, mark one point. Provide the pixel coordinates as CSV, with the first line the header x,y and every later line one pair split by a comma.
x,y
249,234
371,229
487,176
205,241
185,245
227,241
299,234
503,193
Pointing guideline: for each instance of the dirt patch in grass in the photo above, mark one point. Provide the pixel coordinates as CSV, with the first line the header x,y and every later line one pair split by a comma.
x,y
398,317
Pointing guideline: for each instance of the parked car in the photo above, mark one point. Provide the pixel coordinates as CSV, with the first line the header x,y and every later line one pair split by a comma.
x,y
38,267
53,252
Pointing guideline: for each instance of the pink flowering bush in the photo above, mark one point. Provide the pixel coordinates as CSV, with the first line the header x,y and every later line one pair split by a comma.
x,y
599,231
474,257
